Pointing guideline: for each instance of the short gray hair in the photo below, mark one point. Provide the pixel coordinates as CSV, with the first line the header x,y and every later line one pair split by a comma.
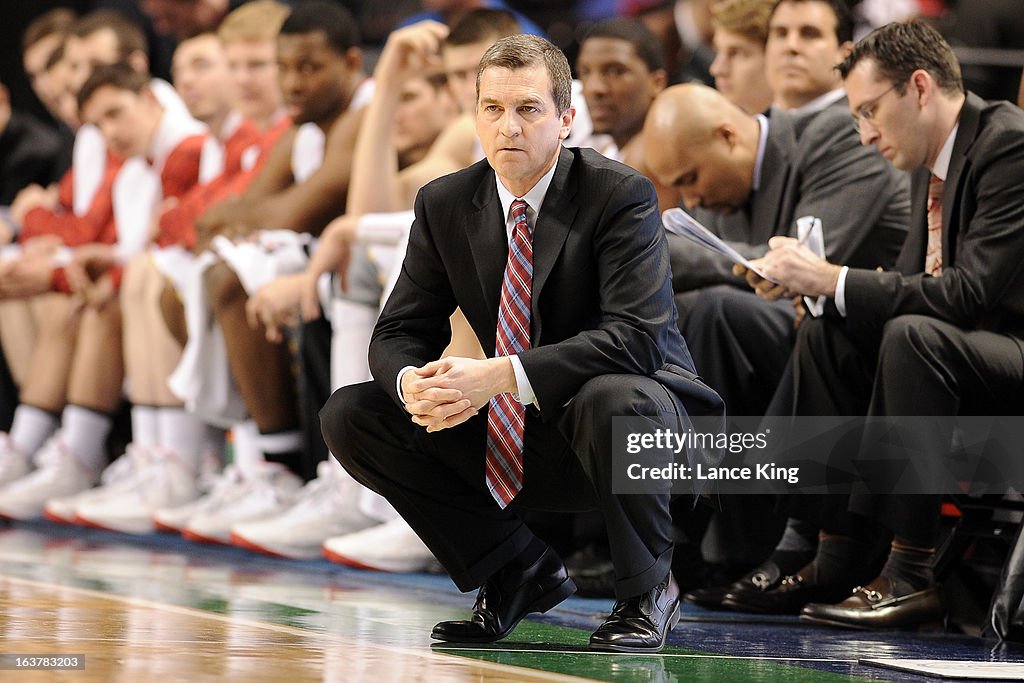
x,y
521,51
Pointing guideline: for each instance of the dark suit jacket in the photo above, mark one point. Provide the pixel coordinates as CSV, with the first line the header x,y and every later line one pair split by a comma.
x,y
982,281
602,297
813,166
29,153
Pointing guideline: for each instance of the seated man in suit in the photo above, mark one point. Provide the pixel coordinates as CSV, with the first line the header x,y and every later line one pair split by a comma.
x,y
723,160
938,335
578,325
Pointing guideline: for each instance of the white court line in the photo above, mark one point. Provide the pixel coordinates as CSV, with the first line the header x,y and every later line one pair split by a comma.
x,y
293,630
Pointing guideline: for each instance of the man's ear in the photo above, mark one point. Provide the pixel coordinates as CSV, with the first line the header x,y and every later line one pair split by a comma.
x,y
568,116
923,86
138,61
658,80
726,132
354,59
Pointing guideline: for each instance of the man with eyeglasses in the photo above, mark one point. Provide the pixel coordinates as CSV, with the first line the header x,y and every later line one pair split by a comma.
x,y
942,333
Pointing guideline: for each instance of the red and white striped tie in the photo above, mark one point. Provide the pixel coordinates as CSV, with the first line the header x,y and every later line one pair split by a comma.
x,y
505,416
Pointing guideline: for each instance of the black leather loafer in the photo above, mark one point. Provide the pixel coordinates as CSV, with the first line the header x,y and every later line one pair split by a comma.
x,y
789,597
506,598
764,577
641,623
876,607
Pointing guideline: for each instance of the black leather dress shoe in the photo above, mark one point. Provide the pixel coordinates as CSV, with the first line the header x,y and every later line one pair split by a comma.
x,y
764,577
875,606
641,623
507,597
789,597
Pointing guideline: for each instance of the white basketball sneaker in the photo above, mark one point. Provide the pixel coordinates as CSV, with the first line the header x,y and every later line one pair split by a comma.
x,y
327,506
58,473
266,491
389,547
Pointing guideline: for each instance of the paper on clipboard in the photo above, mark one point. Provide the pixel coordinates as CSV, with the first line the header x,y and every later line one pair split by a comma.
x,y
809,233
678,222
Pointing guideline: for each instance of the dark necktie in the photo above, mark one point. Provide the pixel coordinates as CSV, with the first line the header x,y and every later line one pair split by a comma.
x,y
505,416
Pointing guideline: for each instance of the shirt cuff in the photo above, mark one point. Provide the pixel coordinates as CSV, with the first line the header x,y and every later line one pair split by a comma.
x,y
840,297
398,385
524,390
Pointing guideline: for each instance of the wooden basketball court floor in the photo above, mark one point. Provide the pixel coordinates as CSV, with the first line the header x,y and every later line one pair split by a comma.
x,y
156,608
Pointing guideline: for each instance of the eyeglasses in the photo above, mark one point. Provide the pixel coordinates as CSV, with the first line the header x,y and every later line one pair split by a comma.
x,y
866,112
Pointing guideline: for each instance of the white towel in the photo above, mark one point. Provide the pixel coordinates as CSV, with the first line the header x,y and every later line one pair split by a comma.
x,y
203,377
89,163
258,262
137,193
175,263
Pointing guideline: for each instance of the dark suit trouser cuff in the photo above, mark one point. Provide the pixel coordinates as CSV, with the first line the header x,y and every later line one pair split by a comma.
x,y
631,586
477,573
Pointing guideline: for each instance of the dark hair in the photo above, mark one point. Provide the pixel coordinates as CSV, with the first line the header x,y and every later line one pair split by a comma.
x,y
329,18
478,25
120,76
130,37
522,51
901,48
844,18
645,43
55,22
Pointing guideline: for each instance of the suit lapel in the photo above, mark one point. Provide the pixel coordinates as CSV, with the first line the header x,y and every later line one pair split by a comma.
x,y
488,242
553,222
911,258
969,122
764,215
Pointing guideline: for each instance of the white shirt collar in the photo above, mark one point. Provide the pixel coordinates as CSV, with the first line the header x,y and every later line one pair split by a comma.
x,y
534,198
941,168
819,102
762,144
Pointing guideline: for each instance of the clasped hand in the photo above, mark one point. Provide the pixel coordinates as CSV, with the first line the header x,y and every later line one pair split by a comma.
x,y
447,392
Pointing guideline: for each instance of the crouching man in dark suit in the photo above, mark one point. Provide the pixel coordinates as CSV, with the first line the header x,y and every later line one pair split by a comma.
x,y
559,261
941,334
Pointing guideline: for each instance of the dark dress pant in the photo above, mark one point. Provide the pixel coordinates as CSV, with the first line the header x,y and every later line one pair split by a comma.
x,y
436,481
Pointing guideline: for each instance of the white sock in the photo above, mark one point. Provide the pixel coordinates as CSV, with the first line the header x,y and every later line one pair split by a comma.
x,y
145,427
31,428
246,455
183,433
279,442
85,433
